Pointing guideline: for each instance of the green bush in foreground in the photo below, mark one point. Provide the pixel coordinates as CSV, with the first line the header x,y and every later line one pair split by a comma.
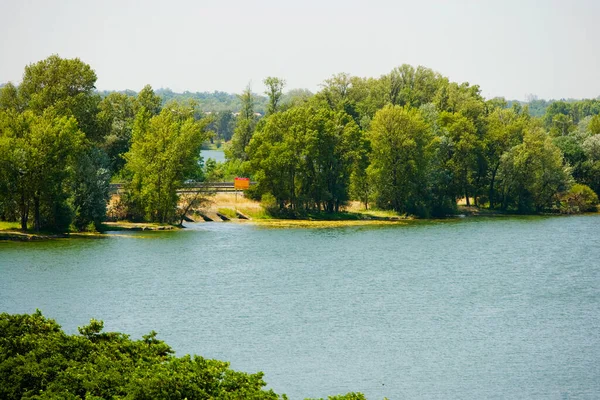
x,y
39,361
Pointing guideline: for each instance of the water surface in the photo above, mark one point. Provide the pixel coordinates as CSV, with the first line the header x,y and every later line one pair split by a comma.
x,y
473,308
217,155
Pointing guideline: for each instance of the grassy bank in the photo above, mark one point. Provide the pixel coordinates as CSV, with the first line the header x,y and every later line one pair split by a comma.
x,y
137,226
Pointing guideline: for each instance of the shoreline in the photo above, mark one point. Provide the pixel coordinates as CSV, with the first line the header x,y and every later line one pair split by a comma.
x,y
279,223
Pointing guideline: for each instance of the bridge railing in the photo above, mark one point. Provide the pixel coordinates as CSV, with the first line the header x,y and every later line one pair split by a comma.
x,y
190,186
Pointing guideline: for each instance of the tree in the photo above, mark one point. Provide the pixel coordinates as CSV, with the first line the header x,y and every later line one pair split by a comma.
x,y
90,189
165,151
304,157
67,85
148,100
408,86
505,129
223,124
246,123
39,155
38,360
594,126
335,90
10,98
463,146
400,157
116,115
533,172
331,155
274,92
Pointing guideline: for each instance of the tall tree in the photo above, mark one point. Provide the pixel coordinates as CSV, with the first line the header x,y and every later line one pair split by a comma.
x,y
39,154
67,85
165,151
148,100
246,124
400,140
116,116
505,129
274,92
533,172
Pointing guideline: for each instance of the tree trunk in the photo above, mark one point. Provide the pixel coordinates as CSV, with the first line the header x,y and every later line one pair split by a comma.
x,y
36,213
24,212
492,181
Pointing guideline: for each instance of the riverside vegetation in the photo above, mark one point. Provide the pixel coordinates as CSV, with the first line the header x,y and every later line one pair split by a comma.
x,y
410,141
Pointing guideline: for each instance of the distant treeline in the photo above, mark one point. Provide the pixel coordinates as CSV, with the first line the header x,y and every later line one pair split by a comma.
x,y
222,101
410,141
206,101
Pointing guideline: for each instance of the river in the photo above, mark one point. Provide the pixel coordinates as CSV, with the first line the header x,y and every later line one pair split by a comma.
x,y
217,155
463,309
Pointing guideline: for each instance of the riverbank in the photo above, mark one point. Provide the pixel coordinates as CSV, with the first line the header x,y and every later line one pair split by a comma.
x,y
9,231
137,226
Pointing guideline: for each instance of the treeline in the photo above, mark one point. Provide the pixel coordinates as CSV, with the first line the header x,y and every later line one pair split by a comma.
x,y
61,143
410,141
414,142
39,361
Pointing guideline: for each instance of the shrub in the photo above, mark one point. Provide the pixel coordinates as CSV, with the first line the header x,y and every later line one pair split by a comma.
x,y
580,198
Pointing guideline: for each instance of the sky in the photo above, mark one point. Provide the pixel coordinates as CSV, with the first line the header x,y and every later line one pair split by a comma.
x,y
510,48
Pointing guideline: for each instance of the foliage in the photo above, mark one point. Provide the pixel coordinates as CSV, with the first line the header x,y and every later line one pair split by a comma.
x,y
580,198
400,159
115,117
49,129
38,157
90,189
39,361
532,173
410,141
67,86
274,92
304,157
165,151
223,125
244,129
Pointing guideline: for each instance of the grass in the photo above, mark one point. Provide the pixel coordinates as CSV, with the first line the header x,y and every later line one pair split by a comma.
x,y
303,223
9,226
135,226
228,212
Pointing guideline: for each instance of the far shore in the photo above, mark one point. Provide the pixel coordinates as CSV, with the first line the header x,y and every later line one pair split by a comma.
x,y
228,208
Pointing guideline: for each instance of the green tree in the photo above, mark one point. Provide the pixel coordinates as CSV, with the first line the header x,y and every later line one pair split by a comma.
x,y
274,92
408,86
400,157
505,129
223,124
116,115
304,157
245,126
67,85
10,98
463,146
148,100
331,154
533,173
165,151
90,189
594,125
39,155
39,361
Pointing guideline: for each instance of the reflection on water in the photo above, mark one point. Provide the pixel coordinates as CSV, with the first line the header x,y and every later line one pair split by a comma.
x,y
471,308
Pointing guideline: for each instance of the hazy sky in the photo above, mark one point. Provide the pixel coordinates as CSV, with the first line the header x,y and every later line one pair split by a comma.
x,y
510,48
